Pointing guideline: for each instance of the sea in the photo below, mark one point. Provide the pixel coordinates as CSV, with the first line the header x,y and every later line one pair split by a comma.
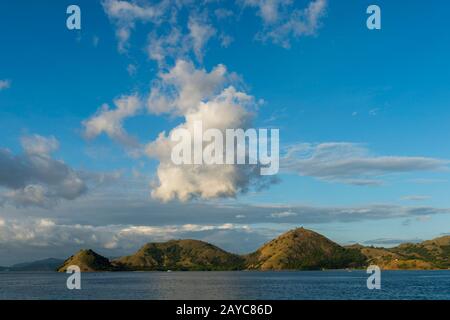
x,y
234,285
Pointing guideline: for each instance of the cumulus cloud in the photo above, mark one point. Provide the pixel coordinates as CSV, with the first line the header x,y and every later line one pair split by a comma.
x,y
181,90
199,96
110,121
34,177
352,163
283,21
5,84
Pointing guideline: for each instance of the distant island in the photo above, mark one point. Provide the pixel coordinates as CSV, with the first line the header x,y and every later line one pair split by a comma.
x,y
298,249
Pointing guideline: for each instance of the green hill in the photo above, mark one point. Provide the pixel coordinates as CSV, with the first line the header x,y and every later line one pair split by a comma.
x,y
436,252
298,249
181,255
88,261
430,254
302,249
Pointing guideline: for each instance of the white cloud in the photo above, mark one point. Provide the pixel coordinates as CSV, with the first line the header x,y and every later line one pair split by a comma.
x,y
46,232
200,32
268,10
36,144
125,14
197,95
225,40
174,37
374,112
352,163
390,242
172,44
181,90
169,38
5,84
110,121
283,21
222,13
283,214
131,69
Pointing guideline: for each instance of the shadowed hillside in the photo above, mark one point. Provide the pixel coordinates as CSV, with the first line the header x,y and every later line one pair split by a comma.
x,y
181,255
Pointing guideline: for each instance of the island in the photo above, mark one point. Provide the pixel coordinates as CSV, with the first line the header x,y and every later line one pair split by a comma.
x,y
298,249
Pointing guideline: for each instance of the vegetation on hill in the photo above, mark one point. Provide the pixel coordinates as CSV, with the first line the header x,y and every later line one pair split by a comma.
x,y
430,254
181,255
87,261
298,249
302,249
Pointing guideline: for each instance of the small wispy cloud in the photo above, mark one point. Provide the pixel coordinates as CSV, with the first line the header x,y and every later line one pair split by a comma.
x,y
131,69
126,14
283,21
391,241
95,41
352,163
427,181
283,214
416,198
5,84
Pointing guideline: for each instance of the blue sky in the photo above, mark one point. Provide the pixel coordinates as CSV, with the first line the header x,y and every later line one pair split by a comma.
x,y
377,99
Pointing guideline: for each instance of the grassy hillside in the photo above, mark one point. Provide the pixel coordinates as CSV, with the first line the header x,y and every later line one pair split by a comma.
x,y
435,252
298,249
181,255
302,249
430,254
88,261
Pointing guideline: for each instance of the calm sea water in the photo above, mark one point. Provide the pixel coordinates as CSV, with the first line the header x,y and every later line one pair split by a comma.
x,y
228,285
